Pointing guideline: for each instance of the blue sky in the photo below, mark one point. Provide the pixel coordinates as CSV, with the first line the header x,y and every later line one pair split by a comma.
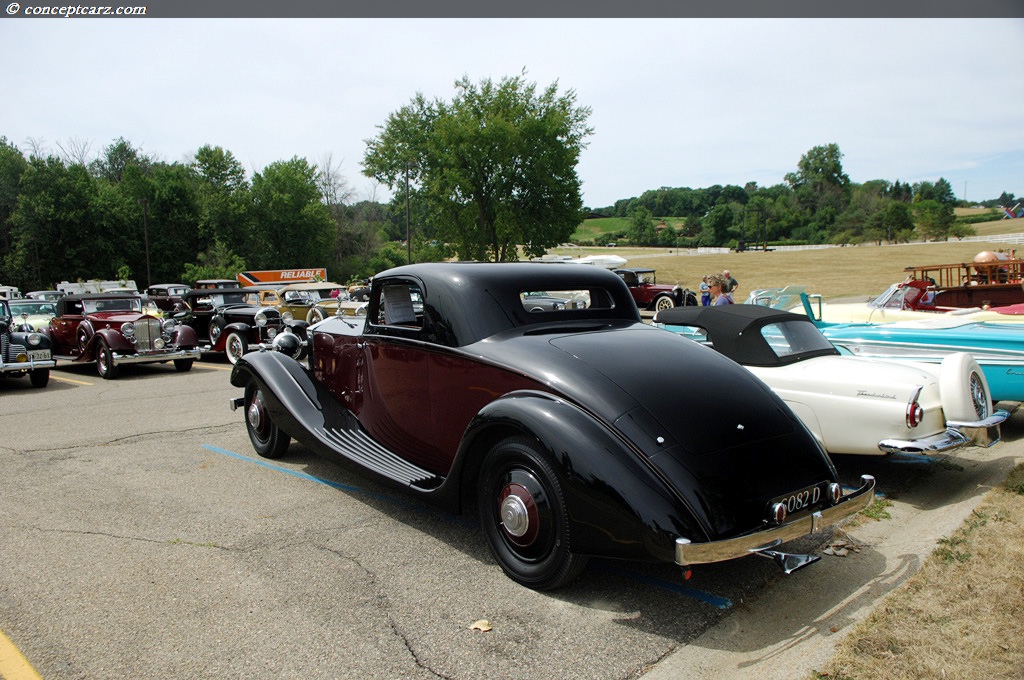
x,y
676,102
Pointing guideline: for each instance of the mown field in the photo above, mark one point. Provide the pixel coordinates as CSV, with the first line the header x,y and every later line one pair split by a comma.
x,y
864,270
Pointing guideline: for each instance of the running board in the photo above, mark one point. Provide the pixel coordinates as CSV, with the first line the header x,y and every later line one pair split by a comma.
x,y
789,562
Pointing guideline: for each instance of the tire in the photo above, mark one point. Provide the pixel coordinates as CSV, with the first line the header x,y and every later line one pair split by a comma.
x,y
39,377
105,361
523,514
964,390
663,302
267,438
235,346
83,341
183,365
316,315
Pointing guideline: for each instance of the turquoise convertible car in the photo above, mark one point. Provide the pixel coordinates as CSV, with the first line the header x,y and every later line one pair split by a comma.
x,y
998,348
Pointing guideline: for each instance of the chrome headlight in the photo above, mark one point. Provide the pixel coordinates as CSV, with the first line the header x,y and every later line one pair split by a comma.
x,y
128,329
34,339
287,316
159,343
288,343
261,318
271,332
168,325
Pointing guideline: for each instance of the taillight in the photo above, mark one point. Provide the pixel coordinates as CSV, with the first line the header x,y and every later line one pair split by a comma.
x,y
915,414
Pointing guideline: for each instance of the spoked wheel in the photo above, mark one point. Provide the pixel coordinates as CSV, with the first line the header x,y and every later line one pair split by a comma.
x,y
664,302
235,346
105,365
316,315
267,438
523,514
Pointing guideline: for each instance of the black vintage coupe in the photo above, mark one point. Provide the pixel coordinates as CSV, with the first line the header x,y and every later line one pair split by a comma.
x,y
225,321
565,427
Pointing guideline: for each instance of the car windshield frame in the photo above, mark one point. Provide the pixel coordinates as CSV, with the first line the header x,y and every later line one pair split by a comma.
x,y
112,304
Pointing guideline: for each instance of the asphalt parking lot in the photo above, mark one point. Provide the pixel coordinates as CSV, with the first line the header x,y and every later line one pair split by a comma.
x,y
142,537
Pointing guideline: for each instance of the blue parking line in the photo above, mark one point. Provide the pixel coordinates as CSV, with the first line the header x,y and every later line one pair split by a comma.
x,y
692,593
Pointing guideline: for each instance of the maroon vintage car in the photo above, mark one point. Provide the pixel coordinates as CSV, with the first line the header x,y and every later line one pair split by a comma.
x,y
114,329
649,294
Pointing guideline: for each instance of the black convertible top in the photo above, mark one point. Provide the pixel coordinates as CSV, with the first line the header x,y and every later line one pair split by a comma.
x,y
736,332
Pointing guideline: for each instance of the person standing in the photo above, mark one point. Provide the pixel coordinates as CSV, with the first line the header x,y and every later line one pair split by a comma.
x,y
731,283
705,293
717,284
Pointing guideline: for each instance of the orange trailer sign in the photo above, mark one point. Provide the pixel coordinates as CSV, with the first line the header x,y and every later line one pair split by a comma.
x,y
282,276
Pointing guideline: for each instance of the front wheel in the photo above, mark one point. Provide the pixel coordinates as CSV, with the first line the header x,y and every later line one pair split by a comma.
x,y
39,377
316,315
235,346
105,365
663,302
183,365
267,438
523,513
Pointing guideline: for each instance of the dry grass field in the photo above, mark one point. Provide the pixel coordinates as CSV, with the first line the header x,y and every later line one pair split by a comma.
x,y
831,272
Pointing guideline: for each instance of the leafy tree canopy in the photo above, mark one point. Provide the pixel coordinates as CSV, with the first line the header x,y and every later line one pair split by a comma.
x,y
495,167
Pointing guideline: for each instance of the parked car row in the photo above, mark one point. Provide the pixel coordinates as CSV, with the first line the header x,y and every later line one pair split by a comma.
x,y
534,395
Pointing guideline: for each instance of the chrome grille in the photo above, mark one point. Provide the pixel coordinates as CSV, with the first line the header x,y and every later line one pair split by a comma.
x,y
146,331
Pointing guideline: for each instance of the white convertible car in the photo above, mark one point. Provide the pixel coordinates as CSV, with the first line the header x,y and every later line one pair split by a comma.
x,y
852,405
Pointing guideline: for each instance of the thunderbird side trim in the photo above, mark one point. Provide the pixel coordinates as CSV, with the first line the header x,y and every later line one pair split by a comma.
x,y
688,553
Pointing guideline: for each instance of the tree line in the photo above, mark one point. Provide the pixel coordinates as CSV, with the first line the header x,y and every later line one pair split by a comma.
x,y
487,175
816,204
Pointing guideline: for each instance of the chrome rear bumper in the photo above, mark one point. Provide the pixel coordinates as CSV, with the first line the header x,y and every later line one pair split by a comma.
x,y
688,553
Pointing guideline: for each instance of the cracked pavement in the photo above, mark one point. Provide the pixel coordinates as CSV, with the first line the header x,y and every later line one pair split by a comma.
x,y
142,537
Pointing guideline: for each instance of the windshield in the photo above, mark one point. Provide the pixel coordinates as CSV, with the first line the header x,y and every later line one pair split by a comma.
x,y
36,307
92,306
794,337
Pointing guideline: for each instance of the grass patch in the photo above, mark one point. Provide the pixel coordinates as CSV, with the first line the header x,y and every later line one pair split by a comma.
x,y
961,615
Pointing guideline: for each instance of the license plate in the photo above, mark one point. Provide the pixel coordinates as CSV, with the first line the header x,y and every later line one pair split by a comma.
x,y
39,354
802,499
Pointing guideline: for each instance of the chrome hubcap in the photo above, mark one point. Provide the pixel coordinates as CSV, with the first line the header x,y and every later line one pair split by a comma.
x,y
978,396
514,516
255,415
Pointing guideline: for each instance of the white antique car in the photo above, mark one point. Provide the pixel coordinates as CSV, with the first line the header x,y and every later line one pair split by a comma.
x,y
852,405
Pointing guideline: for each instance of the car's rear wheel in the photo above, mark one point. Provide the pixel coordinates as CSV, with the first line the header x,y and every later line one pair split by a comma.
x,y
105,365
39,377
183,365
267,438
964,390
522,510
663,302
235,346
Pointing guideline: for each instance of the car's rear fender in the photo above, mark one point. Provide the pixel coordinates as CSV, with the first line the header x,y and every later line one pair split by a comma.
x,y
618,504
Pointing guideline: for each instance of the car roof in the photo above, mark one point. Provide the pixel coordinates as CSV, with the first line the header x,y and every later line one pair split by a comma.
x,y
735,330
481,299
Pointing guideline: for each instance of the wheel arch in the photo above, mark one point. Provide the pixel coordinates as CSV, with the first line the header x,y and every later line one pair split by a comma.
x,y
617,505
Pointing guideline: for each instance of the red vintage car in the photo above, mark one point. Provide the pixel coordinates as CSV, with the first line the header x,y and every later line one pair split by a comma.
x,y
114,329
649,294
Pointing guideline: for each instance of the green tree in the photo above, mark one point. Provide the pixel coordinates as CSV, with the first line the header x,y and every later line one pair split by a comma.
x,y
495,167
291,227
641,227
820,182
12,167
716,226
223,194
933,219
217,262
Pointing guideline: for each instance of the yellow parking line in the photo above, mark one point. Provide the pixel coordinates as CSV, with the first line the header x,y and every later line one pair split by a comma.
x,y
13,664
69,380
215,367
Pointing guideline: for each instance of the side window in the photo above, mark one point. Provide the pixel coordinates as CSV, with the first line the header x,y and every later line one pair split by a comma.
x,y
400,304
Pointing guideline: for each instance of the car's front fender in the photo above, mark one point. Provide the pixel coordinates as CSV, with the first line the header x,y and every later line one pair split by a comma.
x,y
618,504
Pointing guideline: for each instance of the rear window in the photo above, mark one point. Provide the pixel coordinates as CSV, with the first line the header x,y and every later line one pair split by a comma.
x,y
542,301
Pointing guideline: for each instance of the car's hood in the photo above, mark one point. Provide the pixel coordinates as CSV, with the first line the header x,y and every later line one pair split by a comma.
x,y
703,420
